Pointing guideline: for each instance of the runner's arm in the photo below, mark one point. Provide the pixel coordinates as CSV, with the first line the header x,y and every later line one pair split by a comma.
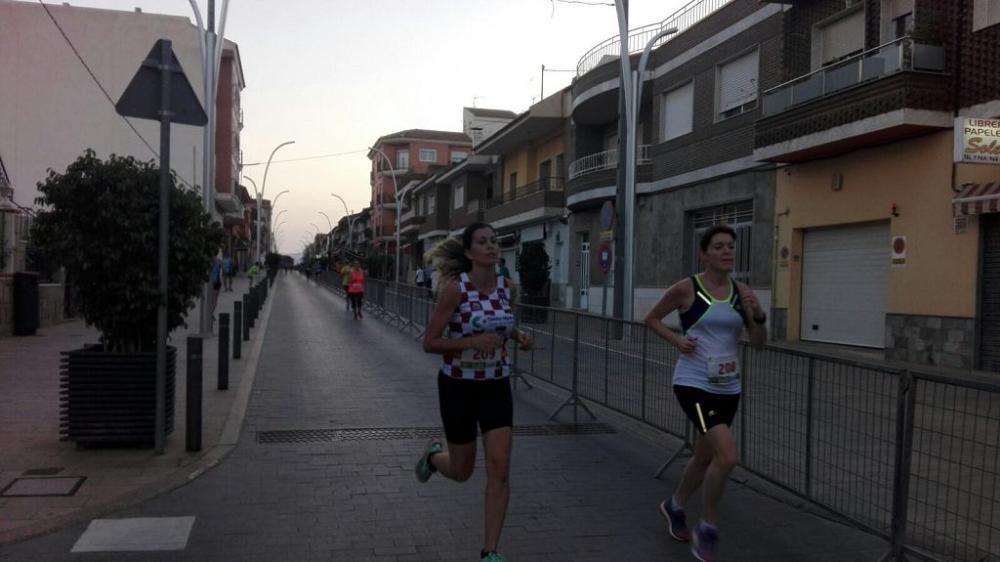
x,y
752,309
677,297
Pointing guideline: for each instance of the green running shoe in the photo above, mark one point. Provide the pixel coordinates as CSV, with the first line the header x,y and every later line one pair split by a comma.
x,y
493,557
424,467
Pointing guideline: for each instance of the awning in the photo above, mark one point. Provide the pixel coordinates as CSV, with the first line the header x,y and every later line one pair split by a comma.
x,y
977,198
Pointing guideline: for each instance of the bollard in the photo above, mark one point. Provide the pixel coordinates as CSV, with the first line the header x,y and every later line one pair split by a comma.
x,y
237,329
246,319
193,408
250,307
223,351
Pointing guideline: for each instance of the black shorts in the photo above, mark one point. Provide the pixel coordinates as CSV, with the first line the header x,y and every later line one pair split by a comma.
x,y
705,409
468,403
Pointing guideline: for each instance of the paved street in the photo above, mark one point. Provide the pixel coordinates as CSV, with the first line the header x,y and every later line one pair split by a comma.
x,y
351,495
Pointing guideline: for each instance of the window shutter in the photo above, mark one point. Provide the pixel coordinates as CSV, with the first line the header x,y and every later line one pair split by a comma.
x,y
844,36
901,8
678,111
738,82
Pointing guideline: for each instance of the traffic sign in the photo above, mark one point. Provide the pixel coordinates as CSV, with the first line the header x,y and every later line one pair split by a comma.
x,y
607,215
606,255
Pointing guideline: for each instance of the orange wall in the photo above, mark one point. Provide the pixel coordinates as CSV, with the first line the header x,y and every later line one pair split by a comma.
x,y
939,278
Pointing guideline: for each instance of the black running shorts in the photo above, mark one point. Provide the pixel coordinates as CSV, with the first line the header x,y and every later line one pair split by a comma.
x,y
466,404
706,409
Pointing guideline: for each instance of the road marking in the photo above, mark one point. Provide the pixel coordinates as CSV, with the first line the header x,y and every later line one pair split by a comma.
x,y
141,534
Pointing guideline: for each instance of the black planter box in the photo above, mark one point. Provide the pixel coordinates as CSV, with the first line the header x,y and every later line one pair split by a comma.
x,y
110,398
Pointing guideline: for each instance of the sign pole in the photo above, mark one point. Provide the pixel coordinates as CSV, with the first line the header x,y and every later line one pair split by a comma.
x,y
166,56
156,94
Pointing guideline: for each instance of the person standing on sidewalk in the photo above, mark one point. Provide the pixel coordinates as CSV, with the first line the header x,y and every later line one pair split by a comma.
x,y
356,289
227,273
345,279
476,305
713,309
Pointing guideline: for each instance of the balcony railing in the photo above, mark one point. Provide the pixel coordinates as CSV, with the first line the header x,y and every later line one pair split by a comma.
x,y
542,184
903,54
682,19
605,160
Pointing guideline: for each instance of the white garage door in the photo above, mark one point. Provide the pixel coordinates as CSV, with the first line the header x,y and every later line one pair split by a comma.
x,y
845,285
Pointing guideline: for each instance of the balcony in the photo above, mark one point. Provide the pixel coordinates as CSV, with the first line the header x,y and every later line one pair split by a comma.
x,y
473,211
525,203
894,91
409,221
682,19
594,177
435,224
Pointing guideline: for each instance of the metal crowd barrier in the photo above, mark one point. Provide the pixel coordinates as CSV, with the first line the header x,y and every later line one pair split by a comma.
x,y
911,456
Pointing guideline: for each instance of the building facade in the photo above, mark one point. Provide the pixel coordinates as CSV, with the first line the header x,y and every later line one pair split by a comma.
x,y
874,247
410,157
696,167
47,89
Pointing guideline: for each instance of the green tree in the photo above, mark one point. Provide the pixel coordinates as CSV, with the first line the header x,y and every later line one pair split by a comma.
x,y
534,267
100,221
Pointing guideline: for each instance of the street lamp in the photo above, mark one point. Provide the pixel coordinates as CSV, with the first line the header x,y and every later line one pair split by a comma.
x,y
210,46
350,220
327,217
263,186
274,205
395,190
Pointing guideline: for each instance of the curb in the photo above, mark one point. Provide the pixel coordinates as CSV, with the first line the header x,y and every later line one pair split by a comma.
x,y
200,464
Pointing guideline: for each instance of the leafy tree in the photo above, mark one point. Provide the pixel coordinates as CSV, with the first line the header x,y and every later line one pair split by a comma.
x,y
100,220
534,267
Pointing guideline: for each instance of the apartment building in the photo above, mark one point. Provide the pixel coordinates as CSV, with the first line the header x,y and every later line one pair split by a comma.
x,y
887,225
47,89
695,136
401,161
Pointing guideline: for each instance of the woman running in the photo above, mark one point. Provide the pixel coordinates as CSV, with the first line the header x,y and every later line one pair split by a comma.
x,y
476,305
356,288
713,310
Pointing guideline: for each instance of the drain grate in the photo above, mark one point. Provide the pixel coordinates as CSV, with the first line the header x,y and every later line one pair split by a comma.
x,y
402,433
35,487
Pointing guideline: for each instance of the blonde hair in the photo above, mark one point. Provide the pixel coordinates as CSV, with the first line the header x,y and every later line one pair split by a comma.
x,y
449,260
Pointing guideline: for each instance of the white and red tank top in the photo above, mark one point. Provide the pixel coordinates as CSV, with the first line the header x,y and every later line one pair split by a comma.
x,y
478,314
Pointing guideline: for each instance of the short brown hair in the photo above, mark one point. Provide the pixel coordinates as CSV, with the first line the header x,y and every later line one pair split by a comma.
x,y
706,238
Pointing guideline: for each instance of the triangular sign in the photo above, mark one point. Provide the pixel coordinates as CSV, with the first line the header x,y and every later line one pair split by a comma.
x,y
142,96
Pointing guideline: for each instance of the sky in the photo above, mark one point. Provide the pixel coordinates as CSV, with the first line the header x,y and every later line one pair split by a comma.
x,y
334,75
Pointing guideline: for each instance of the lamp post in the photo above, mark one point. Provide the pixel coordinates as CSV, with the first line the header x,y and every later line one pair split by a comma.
x,y
210,46
263,186
274,205
395,190
350,219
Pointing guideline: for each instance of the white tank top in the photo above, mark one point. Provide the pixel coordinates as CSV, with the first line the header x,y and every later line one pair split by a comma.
x,y
477,314
714,366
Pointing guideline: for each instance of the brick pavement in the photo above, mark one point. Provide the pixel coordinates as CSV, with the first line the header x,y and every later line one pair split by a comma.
x,y
574,497
29,428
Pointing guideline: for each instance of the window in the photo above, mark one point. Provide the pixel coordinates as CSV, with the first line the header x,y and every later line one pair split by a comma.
x,y
839,38
428,155
459,194
402,158
739,216
431,209
513,184
458,157
677,112
985,13
738,85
